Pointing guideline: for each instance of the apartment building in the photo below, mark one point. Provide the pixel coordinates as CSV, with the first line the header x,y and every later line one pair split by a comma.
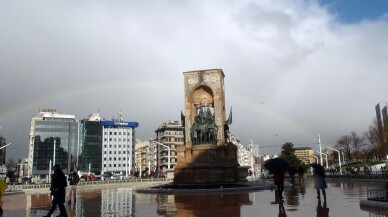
x,y
118,151
169,136
305,154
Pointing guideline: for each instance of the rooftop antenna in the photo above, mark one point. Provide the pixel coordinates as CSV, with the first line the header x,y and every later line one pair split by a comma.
x,y
120,116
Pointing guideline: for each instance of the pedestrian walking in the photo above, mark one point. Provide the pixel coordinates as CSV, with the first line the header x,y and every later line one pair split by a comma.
x,y
319,180
301,172
73,182
278,178
58,186
291,172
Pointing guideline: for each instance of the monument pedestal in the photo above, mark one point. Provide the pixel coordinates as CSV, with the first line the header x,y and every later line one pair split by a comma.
x,y
207,164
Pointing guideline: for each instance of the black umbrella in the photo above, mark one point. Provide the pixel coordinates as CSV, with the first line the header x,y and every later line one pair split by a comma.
x,y
276,164
318,168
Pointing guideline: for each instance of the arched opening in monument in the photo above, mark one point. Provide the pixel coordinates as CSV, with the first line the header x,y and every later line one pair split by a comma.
x,y
204,129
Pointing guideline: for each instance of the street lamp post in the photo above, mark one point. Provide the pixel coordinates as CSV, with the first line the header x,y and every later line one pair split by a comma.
x,y
252,159
50,165
151,156
316,158
54,153
169,150
320,147
339,158
5,145
327,165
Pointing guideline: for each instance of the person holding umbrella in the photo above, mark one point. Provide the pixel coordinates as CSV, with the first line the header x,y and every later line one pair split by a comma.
x,y
319,179
277,166
278,179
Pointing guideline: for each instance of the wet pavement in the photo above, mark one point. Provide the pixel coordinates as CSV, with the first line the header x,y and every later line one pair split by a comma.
x,y
343,200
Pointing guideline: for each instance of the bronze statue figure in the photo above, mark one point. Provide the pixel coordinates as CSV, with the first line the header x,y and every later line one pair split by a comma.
x,y
204,129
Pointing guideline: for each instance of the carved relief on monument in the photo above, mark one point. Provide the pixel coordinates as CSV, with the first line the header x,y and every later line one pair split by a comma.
x,y
210,80
203,97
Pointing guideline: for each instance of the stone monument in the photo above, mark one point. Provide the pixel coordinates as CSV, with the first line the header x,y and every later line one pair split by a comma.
x,y
208,156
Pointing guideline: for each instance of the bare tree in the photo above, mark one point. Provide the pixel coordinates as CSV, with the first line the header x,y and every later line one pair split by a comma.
x,y
344,143
373,142
357,144
11,163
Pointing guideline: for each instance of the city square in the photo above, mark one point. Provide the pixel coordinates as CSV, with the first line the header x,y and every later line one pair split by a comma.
x,y
343,199
194,108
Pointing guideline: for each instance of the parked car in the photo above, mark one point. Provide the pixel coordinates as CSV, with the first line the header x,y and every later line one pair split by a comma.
x,y
86,177
105,177
117,177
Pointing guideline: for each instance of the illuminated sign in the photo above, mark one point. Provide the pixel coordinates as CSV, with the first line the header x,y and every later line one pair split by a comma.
x,y
119,123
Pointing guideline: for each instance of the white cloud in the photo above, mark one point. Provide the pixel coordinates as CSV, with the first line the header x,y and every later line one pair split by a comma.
x,y
312,73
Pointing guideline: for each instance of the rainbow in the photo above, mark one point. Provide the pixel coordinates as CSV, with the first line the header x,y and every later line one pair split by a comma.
x,y
35,103
94,88
275,115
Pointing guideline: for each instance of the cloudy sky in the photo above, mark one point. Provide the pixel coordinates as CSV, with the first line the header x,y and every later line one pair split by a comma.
x,y
293,69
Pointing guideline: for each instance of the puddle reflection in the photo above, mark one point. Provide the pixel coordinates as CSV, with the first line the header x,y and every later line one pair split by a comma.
x,y
97,202
211,204
299,200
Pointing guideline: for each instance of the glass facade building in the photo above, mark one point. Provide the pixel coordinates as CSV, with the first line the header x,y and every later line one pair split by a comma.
x,y
53,137
90,145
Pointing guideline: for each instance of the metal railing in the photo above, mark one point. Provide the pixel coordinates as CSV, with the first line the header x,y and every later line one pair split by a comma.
x,y
85,183
377,194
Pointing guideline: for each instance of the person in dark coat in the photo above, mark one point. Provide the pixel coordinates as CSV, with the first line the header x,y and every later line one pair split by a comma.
x,y
278,179
291,172
58,186
320,182
301,174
